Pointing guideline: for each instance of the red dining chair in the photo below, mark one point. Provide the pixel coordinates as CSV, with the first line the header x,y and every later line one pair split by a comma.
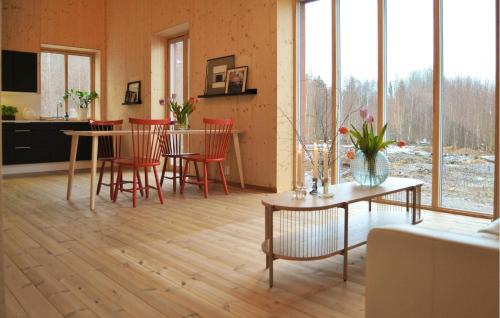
x,y
148,138
109,150
174,151
217,136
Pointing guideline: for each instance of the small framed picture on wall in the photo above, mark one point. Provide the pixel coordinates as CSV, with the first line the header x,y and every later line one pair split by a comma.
x,y
236,80
215,81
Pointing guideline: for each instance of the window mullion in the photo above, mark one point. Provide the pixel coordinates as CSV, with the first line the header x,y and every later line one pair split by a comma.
x,y
437,102
382,64
66,108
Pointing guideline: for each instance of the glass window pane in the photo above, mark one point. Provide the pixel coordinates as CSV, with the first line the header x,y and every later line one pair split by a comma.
x,y
358,68
78,78
52,84
176,68
409,96
315,82
468,112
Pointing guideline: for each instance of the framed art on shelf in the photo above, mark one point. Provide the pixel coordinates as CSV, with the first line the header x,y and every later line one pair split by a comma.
x,y
215,82
133,93
236,80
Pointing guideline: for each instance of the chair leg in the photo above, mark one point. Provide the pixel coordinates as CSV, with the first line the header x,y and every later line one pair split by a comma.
x,y
183,179
197,174
160,194
180,170
174,178
134,187
119,184
163,171
99,183
112,180
139,181
223,178
146,181
205,179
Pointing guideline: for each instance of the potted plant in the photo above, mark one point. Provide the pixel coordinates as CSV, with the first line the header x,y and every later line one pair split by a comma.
x,y
9,112
82,99
182,112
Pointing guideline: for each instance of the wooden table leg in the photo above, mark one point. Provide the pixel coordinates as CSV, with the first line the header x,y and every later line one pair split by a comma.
x,y
93,172
71,168
346,239
236,142
266,235
414,205
271,249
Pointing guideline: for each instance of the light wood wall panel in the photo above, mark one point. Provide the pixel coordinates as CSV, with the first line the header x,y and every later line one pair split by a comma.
x,y
21,25
246,29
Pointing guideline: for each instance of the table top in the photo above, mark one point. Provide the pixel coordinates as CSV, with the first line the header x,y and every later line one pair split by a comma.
x,y
344,193
93,133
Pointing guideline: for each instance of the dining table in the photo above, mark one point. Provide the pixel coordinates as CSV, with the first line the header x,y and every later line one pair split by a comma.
x,y
76,134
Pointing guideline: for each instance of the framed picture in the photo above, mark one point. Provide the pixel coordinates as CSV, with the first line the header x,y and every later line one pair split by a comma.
x,y
236,79
133,93
215,82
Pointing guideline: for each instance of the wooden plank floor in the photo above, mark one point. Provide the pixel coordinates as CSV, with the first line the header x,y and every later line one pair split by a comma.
x,y
189,257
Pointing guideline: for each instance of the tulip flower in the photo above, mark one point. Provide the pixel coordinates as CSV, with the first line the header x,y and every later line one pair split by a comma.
x,y
401,143
191,100
350,154
162,102
174,96
343,130
363,112
369,119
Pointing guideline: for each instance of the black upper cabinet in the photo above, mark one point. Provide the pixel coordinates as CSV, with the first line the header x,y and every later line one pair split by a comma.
x,y
19,71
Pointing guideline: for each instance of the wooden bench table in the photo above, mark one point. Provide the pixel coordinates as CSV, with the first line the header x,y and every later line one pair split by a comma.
x,y
312,228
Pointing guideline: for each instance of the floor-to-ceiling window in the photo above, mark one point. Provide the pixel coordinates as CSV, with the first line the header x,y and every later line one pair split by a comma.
x,y
177,68
315,80
468,106
358,69
409,95
446,114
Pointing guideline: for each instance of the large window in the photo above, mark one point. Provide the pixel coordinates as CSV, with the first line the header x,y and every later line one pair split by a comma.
x,y
315,82
409,89
468,108
358,68
61,71
436,62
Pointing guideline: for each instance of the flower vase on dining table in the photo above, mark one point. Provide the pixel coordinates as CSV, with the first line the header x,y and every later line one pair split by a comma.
x,y
182,125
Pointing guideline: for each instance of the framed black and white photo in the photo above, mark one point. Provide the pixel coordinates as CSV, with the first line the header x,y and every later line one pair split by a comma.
x,y
215,82
236,80
133,94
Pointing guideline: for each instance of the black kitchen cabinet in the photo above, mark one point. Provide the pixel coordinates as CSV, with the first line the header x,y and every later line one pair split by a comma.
x,y
41,142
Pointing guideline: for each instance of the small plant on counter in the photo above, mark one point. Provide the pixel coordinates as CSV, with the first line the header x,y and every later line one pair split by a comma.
x,y
9,112
80,98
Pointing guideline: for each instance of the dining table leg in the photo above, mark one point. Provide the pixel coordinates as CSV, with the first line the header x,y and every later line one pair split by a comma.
x,y
236,142
71,168
93,172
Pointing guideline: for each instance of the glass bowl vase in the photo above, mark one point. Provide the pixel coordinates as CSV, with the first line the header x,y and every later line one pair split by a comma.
x,y
370,171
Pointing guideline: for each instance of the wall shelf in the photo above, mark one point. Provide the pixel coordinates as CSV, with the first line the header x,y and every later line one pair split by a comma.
x,y
134,103
248,91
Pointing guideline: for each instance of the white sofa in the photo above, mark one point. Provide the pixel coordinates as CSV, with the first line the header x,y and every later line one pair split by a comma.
x,y
416,272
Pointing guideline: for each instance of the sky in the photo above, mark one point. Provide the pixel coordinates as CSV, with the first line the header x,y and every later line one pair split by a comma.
x,y
468,38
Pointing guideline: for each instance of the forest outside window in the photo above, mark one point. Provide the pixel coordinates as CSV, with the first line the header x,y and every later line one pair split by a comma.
x,y
61,71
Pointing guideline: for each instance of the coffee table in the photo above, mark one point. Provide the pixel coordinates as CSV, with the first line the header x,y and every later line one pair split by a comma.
x,y
313,228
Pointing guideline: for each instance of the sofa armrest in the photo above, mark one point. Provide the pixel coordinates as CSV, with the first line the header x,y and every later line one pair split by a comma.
x,y
417,272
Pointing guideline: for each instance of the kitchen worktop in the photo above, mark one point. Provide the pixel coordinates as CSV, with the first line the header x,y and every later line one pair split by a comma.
x,y
44,121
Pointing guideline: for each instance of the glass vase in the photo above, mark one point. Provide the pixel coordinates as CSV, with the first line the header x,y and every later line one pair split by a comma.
x,y
370,171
